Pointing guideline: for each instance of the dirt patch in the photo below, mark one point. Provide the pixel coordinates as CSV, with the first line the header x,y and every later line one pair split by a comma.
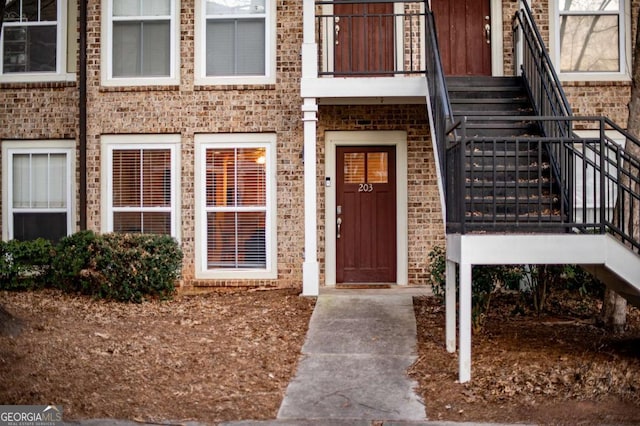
x,y
223,356
559,368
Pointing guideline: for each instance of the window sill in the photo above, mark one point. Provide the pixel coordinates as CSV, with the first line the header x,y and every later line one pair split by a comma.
x,y
147,83
594,77
235,81
243,274
221,87
147,88
56,80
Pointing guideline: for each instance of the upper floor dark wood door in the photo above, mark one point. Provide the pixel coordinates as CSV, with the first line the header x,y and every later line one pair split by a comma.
x,y
363,38
366,215
464,35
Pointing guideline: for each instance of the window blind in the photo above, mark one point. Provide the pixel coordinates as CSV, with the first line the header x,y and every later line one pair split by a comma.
x,y
236,207
39,181
39,205
236,46
141,181
141,38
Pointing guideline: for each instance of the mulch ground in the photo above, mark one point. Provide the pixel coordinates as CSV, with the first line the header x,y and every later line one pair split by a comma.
x,y
557,368
215,357
230,355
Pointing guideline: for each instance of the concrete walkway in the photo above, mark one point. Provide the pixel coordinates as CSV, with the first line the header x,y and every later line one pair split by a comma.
x,y
354,361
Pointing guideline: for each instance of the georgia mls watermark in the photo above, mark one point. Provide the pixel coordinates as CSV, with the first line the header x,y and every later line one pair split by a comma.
x,y
30,415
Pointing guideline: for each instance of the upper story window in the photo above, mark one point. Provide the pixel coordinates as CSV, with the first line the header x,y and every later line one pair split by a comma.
x,y
141,42
235,41
33,40
591,39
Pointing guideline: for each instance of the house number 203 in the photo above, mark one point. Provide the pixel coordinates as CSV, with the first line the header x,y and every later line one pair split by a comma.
x,y
365,187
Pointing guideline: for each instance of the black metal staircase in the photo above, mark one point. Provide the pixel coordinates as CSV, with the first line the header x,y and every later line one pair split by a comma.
x,y
512,162
484,100
508,180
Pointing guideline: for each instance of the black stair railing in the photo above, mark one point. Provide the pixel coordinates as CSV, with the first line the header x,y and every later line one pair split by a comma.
x,y
537,71
507,184
440,105
544,87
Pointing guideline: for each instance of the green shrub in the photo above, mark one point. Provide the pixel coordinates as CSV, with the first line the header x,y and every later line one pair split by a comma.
x,y
25,264
485,281
577,279
437,270
72,263
123,267
129,267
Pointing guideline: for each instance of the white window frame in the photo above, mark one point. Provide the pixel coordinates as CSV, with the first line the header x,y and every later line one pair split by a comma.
x,y
60,74
109,143
624,37
200,59
107,50
9,148
235,140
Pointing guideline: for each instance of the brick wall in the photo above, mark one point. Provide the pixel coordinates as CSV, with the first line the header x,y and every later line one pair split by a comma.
x,y
426,228
188,109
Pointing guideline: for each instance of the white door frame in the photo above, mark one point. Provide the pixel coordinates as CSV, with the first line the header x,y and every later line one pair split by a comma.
x,y
398,139
497,39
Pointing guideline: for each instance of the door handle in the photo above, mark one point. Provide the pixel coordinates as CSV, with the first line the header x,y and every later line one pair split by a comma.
x,y
339,224
337,30
487,33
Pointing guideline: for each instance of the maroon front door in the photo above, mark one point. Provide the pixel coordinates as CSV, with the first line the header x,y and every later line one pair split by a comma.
x,y
366,215
464,35
363,38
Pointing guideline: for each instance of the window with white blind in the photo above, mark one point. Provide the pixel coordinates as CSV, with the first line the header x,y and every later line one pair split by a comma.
x,y
38,192
235,41
33,41
141,41
141,185
591,39
235,188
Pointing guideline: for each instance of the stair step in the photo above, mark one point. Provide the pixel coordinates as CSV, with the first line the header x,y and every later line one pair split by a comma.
x,y
507,193
484,101
546,216
501,153
482,81
497,133
490,162
473,114
477,166
512,209
512,200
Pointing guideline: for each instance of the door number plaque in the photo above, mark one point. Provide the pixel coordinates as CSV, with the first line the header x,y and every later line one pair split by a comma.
x,y
365,187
